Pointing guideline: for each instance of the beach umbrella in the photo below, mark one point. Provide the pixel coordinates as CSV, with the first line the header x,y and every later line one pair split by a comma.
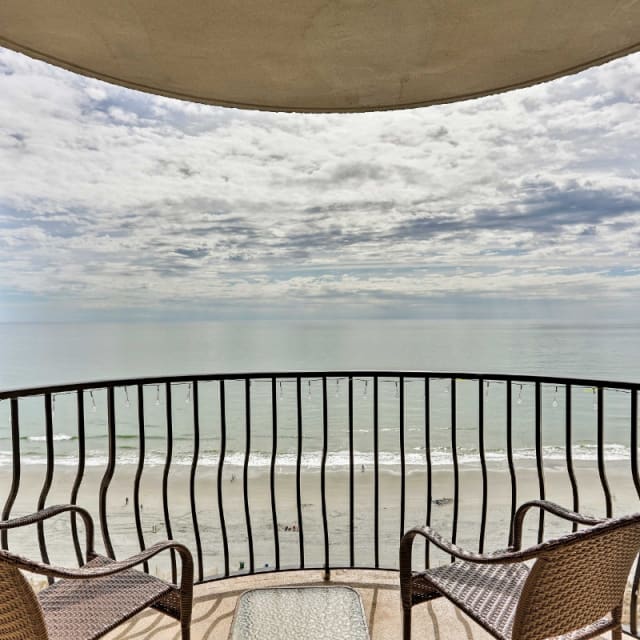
x,y
322,55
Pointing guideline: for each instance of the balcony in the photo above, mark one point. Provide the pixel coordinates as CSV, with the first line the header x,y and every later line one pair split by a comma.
x,y
296,478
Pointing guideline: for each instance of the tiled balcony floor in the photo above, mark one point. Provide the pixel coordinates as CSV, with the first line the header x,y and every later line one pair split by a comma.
x,y
214,605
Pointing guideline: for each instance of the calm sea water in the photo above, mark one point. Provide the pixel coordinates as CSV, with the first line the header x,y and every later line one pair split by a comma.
x,y
34,354
42,354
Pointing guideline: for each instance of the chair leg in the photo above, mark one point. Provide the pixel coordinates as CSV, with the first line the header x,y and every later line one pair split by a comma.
x,y
406,624
186,631
616,634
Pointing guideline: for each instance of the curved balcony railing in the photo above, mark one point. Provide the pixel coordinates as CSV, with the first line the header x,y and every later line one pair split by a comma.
x,y
274,471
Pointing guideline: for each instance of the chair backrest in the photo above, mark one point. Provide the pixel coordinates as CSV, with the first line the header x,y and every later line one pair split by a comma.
x,y
578,580
20,613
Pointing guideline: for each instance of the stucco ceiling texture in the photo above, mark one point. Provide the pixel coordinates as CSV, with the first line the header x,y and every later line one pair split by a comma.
x,y
322,55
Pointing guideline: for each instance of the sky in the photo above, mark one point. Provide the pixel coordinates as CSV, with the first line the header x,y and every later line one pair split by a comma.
x,y
118,205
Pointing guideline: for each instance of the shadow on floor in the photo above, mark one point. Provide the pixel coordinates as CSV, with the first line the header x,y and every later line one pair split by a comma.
x,y
214,605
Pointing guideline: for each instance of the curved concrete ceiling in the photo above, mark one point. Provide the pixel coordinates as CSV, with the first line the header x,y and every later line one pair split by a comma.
x,y
322,55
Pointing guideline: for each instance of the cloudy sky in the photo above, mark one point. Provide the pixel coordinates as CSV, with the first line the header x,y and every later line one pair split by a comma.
x,y
120,205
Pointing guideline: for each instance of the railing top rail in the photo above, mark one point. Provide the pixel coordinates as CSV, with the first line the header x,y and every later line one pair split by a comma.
x,y
256,375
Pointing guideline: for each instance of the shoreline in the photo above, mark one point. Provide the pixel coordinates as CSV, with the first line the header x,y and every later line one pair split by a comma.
x,y
337,460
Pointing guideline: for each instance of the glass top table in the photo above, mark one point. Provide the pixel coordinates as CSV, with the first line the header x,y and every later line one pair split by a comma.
x,y
299,613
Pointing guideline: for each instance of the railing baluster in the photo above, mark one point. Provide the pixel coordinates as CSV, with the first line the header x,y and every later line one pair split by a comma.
x,y
79,474
351,478
245,475
633,605
192,476
223,451
601,470
137,507
168,401
456,473
272,472
15,458
376,476
539,463
44,492
512,470
298,467
568,419
108,474
323,474
403,466
483,463
427,449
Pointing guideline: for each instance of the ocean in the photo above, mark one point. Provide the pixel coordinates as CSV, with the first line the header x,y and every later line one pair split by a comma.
x,y
40,353
46,354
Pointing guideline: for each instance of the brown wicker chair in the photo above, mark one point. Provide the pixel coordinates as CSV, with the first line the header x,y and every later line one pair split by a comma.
x,y
89,601
574,589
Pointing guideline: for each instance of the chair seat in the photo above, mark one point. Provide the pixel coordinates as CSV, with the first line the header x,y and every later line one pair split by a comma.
x,y
86,609
487,593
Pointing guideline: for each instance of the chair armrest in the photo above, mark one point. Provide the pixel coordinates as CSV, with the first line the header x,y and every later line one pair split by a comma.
x,y
49,512
552,508
501,557
86,572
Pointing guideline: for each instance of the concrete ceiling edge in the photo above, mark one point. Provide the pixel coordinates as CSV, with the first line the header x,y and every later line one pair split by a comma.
x,y
9,44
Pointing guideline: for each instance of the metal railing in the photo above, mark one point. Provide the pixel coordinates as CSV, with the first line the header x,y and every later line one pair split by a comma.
x,y
376,451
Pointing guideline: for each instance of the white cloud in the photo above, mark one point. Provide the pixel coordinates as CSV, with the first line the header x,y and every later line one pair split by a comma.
x,y
111,198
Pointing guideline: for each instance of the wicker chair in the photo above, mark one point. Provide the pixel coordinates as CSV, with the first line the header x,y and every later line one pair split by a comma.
x,y
574,589
90,601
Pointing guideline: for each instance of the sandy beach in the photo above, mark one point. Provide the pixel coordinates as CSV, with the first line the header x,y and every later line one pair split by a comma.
x,y
121,522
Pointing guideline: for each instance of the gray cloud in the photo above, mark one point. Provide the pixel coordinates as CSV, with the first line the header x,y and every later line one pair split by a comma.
x,y
540,207
545,207
193,253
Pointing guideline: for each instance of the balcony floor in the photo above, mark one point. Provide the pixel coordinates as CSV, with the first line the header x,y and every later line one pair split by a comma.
x,y
214,605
